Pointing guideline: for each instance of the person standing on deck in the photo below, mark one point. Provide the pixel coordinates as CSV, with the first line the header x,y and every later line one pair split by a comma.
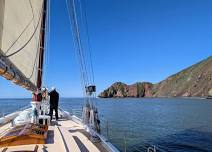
x,y
54,99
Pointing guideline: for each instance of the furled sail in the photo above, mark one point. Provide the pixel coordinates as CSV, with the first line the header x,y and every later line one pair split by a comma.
x,y
21,41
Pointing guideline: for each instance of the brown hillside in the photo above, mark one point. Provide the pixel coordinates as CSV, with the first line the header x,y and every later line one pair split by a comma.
x,y
195,81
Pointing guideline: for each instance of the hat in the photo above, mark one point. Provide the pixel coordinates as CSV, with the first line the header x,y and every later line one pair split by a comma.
x,y
43,89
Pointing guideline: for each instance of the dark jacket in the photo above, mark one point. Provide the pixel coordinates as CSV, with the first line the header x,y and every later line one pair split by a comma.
x,y
54,99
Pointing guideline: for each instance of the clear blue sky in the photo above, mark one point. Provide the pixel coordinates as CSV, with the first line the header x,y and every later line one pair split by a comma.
x,y
132,40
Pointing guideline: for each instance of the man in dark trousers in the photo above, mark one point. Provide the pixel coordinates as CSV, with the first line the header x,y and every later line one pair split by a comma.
x,y
54,99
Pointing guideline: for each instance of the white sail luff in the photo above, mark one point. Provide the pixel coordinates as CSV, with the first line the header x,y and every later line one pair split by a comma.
x,y
21,27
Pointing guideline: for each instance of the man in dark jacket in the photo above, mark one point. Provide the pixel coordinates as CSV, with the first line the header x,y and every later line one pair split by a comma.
x,y
54,99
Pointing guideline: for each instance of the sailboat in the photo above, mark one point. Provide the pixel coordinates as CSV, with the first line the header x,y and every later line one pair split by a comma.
x,y
24,28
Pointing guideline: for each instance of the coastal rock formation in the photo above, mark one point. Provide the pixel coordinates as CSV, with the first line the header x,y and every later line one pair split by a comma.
x,y
120,90
195,81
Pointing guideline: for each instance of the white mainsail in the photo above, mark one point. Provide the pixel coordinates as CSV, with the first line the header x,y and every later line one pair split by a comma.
x,y
20,36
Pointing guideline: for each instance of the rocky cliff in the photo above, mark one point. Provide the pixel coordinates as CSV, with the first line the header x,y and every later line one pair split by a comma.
x,y
120,89
195,81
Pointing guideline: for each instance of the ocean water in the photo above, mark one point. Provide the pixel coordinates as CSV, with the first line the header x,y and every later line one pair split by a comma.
x,y
170,124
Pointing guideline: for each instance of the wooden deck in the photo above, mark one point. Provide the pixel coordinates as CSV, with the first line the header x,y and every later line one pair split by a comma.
x,y
63,136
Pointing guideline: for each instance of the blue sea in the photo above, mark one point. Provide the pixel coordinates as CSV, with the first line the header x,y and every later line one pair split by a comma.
x,y
170,124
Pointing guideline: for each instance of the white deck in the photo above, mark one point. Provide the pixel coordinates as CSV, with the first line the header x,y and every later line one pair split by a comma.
x,y
63,136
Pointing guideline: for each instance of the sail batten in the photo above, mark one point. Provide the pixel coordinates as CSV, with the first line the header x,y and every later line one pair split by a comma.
x,y
20,39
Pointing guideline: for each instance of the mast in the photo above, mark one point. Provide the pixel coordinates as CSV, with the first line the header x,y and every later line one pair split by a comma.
x,y
37,96
42,45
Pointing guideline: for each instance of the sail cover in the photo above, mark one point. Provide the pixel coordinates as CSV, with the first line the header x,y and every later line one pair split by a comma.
x,y
20,29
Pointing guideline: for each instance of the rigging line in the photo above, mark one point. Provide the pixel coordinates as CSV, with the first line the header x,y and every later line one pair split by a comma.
x,y
75,46
78,41
37,52
84,78
90,67
19,36
81,15
49,38
49,31
89,44
36,42
83,69
77,32
21,48
81,46
34,65
34,62
88,39
23,30
33,18
47,42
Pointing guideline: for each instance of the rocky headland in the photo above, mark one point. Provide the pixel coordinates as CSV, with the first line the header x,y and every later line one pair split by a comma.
x,y
194,81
